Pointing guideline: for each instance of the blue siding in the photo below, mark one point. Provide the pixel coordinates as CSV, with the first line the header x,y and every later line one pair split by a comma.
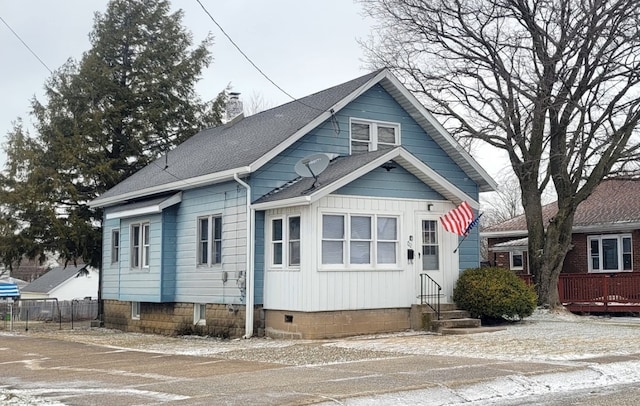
x,y
200,283
395,183
110,272
258,259
375,104
142,285
470,251
169,241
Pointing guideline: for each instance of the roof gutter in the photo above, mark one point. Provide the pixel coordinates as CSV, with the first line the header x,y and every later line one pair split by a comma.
x,y
250,269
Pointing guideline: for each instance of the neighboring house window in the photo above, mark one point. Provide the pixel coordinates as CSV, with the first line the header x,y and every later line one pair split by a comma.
x,y
135,310
115,246
359,240
209,240
516,260
610,253
430,248
200,314
140,245
285,242
370,136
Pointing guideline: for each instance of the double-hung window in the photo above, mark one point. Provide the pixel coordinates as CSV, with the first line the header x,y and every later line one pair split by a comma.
x,y
359,241
371,135
115,246
209,240
140,245
610,253
285,242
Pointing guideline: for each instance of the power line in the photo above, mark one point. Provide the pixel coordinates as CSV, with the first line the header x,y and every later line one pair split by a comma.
x,y
249,59
25,44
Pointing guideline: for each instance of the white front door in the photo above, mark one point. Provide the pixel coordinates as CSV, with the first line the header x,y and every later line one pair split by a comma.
x,y
428,257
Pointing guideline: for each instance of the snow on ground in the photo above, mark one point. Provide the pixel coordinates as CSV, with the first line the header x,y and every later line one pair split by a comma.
x,y
545,336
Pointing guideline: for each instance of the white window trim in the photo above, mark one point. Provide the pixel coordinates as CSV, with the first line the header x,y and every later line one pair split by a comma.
x,y
373,265
199,319
143,249
211,240
135,310
620,238
373,132
115,244
513,267
285,242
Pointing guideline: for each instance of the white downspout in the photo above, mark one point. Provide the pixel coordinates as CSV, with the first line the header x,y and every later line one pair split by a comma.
x,y
248,323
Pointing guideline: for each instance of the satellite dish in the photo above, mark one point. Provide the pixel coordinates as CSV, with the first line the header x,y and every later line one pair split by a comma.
x,y
311,166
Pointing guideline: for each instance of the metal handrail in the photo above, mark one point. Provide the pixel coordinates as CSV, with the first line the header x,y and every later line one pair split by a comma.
x,y
430,289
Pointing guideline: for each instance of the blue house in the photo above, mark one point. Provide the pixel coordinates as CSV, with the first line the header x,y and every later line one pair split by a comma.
x,y
313,219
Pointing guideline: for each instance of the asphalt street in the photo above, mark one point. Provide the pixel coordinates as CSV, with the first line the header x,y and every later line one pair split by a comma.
x,y
87,374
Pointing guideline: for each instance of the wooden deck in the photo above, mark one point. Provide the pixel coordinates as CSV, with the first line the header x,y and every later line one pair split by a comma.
x,y
599,293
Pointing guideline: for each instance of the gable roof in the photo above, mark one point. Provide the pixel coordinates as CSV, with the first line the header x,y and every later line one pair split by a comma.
x,y
217,154
52,279
613,206
346,169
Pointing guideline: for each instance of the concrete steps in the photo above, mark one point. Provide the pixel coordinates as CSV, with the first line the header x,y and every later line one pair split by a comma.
x,y
452,321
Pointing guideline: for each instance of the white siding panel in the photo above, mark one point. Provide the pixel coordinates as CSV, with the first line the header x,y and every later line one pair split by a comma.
x,y
314,289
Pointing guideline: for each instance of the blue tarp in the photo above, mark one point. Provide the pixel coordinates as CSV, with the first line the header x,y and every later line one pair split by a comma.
x,y
9,290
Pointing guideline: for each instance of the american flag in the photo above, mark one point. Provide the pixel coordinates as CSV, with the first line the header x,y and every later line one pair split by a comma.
x,y
458,220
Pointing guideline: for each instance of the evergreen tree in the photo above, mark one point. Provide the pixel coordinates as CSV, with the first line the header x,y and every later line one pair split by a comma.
x,y
130,98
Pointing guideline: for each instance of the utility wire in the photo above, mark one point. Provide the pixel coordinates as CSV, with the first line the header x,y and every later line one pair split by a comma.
x,y
25,44
249,59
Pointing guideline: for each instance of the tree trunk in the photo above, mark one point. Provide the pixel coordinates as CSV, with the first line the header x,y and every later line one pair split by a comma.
x,y
556,243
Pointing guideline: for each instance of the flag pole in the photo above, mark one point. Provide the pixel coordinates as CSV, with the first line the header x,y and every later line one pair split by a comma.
x,y
466,232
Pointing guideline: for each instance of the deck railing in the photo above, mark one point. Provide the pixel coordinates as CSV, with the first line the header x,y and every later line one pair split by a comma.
x,y
610,292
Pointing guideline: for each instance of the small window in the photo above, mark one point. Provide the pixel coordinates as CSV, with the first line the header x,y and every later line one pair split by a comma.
x,y
199,314
115,246
371,136
516,260
140,245
209,240
285,242
135,310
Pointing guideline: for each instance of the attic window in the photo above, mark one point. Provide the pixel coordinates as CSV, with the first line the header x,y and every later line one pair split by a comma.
x,y
372,135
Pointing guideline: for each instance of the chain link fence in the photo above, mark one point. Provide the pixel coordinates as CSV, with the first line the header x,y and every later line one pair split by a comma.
x,y
41,314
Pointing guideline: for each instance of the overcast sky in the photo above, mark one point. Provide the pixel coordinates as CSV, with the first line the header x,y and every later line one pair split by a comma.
x,y
303,45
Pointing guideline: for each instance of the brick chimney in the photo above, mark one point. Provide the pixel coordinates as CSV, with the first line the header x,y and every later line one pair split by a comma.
x,y
234,106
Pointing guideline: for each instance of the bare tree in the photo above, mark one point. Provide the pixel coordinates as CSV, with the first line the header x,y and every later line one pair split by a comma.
x,y
256,104
554,83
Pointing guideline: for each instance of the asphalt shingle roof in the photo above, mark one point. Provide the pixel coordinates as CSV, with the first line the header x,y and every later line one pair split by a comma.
x,y
614,201
337,169
223,148
52,279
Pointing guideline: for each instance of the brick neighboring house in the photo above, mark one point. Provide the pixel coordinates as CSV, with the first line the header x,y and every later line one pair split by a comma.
x,y
606,233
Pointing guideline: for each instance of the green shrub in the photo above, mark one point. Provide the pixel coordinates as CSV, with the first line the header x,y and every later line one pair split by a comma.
x,y
494,293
